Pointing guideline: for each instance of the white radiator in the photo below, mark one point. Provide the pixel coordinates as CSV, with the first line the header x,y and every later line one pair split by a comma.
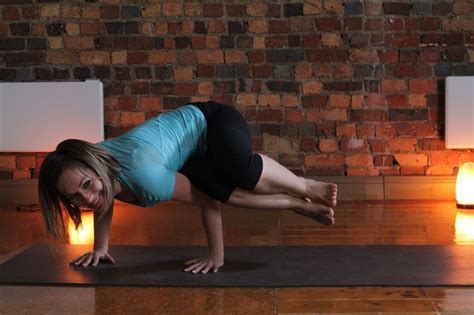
x,y
35,117
459,112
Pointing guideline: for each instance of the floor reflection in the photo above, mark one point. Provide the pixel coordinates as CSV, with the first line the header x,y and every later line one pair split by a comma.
x,y
464,227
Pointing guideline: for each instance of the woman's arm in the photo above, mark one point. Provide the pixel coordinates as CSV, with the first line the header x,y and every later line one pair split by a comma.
x,y
102,228
211,218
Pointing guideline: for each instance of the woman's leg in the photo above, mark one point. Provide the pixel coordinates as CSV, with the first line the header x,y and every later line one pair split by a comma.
x,y
247,199
276,178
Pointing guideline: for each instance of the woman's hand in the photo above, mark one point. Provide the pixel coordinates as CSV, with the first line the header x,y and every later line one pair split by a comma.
x,y
92,258
204,264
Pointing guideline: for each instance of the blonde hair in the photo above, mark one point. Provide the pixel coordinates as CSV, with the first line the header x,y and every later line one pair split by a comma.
x,y
73,153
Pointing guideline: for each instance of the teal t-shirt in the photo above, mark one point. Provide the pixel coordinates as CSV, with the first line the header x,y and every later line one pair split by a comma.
x,y
151,153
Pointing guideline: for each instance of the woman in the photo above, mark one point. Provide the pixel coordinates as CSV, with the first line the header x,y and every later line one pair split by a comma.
x,y
200,153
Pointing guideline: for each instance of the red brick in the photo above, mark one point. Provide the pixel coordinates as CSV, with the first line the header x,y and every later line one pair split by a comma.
x,y
311,41
301,25
440,170
368,115
276,26
353,144
377,146
339,100
276,42
235,9
423,86
384,130
429,55
365,130
186,89
403,70
343,71
328,24
24,162
411,159
90,28
393,25
308,145
272,100
295,116
112,117
323,70
359,160
148,103
198,42
397,100
402,145
346,130
432,144
445,158
132,118
396,8
375,100
327,145
256,56
255,9
7,162
366,56
417,100
262,71
324,160
11,13
393,86
374,24
210,57
402,40
383,160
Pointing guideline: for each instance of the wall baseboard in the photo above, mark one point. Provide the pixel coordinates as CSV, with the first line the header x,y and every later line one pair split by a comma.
x,y
22,192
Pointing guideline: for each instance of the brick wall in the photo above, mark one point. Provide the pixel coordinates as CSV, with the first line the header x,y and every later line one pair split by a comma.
x,y
328,87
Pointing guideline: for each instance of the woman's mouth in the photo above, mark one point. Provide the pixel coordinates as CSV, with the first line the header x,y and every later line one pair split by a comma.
x,y
96,203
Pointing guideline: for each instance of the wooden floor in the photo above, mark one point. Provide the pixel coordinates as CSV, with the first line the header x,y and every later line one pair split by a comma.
x,y
177,224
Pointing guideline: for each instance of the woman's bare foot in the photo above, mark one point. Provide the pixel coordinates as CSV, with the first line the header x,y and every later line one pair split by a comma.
x,y
316,211
323,192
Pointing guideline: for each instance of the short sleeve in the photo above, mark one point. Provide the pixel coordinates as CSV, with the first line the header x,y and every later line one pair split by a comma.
x,y
151,184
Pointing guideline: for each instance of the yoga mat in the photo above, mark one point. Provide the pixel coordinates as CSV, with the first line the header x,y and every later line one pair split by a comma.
x,y
250,266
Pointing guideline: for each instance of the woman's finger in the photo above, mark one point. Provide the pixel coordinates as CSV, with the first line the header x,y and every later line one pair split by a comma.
x,y
190,262
81,259
109,258
207,267
95,260
88,260
193,266
199,267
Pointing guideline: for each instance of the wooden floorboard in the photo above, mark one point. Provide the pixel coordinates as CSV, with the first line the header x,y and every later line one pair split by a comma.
x,y
176,224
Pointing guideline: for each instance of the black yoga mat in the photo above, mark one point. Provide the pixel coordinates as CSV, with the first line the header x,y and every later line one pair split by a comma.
x,y
256,266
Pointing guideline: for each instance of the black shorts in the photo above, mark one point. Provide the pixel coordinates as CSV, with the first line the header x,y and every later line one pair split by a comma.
x,y
228,161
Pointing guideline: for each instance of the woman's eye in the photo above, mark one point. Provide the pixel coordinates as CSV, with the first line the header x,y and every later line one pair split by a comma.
x,y
86,184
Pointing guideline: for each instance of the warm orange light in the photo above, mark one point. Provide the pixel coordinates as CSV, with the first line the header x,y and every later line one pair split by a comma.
x,y
464,228
84,235
465,186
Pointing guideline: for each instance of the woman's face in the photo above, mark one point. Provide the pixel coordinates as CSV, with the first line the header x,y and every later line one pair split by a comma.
x,y
82,187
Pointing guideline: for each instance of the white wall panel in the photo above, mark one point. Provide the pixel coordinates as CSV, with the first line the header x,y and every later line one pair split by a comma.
x,y
35,117
459,112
